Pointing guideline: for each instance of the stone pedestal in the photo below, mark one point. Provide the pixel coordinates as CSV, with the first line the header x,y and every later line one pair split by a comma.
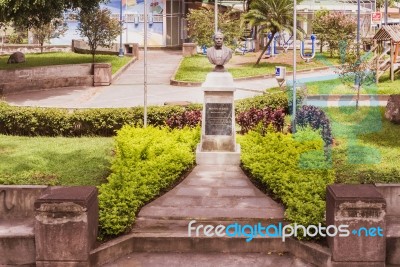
x,y
66,225
218,136
189,49
102,74
363,209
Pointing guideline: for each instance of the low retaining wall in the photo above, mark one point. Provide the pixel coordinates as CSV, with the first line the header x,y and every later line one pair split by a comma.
x,y
17,219
28,79
8,49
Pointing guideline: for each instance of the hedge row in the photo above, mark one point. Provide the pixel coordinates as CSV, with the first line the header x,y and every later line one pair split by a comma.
x,y
275,100
294,168
29,121
147,161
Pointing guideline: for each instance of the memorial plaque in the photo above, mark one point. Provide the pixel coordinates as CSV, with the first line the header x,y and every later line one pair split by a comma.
x,y
218,119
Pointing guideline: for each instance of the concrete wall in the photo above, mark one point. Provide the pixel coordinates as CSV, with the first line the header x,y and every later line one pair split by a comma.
x,y
27,79
8,49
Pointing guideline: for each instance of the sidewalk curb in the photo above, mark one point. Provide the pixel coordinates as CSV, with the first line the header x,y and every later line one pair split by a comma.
x,y
335,97
197,84
116,75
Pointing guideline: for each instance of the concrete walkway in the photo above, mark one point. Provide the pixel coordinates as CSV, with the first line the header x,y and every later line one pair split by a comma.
x,y
210,195
128,90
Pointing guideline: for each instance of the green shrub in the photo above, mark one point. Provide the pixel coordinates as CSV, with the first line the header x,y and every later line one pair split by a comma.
x,y
294,168
147,161
29,121
316,118
273,100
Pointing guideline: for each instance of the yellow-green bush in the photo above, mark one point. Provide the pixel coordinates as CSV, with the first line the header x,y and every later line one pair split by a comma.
x,y
294,168
147,161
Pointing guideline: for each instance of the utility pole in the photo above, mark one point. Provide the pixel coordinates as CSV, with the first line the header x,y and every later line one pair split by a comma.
x,y
121,50
145,65
294,65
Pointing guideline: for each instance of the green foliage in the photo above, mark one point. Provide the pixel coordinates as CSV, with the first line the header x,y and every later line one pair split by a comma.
x,y
201,26
54,29
333,28
315,118
61,122
33,12
270,16
294,168
147,161
273,100
98,27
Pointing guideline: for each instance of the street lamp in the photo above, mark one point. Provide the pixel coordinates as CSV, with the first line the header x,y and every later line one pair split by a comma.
x,y
145,64
294,65
215,16
121,51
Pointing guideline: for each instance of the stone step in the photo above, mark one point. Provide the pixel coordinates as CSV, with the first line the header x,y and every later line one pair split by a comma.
x,y
171,225
17,243
180,242
210,259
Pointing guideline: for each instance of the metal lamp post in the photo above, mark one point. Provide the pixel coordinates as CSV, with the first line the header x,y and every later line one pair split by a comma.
x,y
294,65
121,51
215,16
145,65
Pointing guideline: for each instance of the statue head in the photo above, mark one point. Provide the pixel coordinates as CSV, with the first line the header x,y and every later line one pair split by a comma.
x,y
218,39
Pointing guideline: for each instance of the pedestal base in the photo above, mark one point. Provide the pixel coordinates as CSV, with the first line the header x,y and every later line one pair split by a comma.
x,y
218,157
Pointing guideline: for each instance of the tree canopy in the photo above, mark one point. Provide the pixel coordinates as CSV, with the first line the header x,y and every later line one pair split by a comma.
x,y
30,13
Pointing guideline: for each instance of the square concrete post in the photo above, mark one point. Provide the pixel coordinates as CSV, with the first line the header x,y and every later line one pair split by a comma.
x,y
66,226
189,49
102,75
362,208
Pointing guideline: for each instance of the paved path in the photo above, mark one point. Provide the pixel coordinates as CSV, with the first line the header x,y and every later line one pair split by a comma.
x,y
157,259
210,195
127,91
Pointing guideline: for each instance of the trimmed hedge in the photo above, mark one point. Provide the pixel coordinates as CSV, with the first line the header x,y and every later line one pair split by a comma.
x,y
30,121
147,161
294,168
275,100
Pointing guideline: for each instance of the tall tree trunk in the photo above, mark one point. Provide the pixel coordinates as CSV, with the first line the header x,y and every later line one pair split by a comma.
x,y
93,53
41,47
265,48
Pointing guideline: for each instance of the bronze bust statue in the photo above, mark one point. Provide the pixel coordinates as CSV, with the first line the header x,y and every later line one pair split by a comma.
x,y
219,54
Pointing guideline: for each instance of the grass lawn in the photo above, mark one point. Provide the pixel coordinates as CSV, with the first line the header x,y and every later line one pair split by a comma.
x,y
195,68
384,87
63,58
367,146
54,160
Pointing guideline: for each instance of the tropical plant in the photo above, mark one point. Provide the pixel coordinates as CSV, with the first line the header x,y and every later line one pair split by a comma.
x,y
271,16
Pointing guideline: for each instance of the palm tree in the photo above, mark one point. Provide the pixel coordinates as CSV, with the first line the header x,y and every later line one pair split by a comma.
x,y
270,16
